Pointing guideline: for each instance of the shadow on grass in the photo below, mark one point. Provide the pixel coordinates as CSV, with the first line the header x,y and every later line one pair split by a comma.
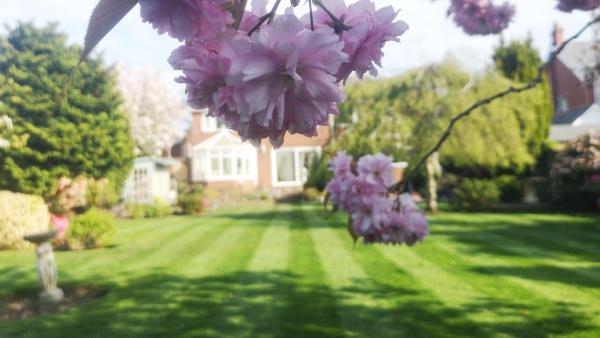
x,y
280,304
293,218
585,277
524,235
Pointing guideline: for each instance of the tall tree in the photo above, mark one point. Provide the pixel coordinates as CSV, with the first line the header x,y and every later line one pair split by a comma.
x,y
404,116
71,130
155,112
517,60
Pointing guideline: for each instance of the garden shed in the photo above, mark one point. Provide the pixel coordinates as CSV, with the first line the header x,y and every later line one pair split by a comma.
x,y
151,179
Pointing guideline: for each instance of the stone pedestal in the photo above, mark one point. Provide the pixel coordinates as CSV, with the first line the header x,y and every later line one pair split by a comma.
x,y
46,265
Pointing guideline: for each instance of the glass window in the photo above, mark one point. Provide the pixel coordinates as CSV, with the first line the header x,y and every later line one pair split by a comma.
x,y
227,166
215,166
286,166
293,164
228,163
240,166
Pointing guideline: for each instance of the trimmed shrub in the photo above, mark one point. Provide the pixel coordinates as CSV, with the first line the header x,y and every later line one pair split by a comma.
x,y
102,193
159,208
135,211
21,215
92,229
575,174
475,194
310,194
511,188
191,200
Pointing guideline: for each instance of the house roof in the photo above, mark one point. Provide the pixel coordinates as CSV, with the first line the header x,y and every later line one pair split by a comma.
x,y
222,138
591,117
569,117
159,161
572,124
586,116
579,57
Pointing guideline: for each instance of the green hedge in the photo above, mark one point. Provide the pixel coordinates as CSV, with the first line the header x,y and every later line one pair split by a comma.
x,y
191,200
475,195
159,208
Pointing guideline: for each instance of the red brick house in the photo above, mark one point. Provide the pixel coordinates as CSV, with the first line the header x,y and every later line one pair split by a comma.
x,y
575,92
217,158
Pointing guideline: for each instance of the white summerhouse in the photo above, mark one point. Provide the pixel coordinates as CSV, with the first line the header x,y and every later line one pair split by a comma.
x,y
151,179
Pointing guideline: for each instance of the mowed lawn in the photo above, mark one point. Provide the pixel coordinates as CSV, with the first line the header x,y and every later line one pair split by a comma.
x,y
292,271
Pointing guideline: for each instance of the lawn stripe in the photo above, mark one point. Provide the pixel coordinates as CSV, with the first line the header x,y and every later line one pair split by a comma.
x,y
173,252
311,305
200,278
407,306
272,253
134,226
256,289
233,242
524,254
231,311
344,275
511,294
126,255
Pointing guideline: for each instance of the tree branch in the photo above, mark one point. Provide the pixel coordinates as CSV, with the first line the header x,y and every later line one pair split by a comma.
x,y
269,16
403,183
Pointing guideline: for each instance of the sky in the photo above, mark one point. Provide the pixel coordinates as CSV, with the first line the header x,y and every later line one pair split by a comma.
x,y
431,37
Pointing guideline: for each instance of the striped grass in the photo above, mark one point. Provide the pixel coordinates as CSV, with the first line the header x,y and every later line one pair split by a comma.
x,y
292,271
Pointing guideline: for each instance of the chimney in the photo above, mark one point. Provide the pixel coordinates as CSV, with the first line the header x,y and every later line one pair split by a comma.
x,y
558,35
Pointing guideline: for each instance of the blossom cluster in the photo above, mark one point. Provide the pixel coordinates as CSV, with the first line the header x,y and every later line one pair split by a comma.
x,y
484,17
481,17
263,74
582,5
375,215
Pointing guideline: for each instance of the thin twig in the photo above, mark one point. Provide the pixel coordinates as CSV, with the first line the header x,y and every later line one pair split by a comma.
x,y
402,184
312,20
338,25
269,16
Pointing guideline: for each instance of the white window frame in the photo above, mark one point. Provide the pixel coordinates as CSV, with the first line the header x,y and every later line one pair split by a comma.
x,y
297,182
202,162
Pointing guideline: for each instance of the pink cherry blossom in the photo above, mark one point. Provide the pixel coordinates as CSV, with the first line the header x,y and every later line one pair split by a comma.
x,y
481,17
370,213
185,19
375,216
377,170
582,5
341,165
367,32
205,72
283,80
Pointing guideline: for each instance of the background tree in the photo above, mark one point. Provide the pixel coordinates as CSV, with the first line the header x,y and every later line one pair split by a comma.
x,y
155,112
517,60
404,116
70,132
8,138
